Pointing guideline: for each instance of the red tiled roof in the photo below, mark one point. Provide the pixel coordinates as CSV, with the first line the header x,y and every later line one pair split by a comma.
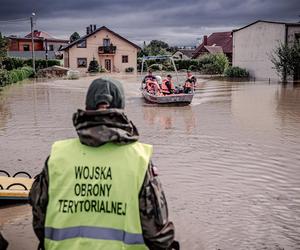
x,y
37,34
222,39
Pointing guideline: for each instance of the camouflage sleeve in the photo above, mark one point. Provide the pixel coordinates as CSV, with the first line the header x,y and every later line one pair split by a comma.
x,y
38,199
158,231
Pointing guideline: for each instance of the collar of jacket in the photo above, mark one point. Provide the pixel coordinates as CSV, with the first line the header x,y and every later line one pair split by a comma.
x,y
96,128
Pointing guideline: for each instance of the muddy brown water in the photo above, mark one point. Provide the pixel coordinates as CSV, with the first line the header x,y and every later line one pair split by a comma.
x,y
229,163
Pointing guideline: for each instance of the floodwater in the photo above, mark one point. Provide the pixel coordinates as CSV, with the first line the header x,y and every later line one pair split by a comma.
x,y
229,163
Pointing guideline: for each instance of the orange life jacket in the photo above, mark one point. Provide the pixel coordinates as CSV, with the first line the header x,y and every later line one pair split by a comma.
x,y
152,86
165,88
187,84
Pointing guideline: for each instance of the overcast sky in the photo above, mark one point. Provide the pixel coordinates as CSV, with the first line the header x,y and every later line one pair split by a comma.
x,y
177,22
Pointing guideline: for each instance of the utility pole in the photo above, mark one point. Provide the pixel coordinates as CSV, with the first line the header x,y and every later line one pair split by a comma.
x,y
32,42
46,52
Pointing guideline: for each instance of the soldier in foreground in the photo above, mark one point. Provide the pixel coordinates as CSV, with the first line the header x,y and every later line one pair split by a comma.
x,y
101,190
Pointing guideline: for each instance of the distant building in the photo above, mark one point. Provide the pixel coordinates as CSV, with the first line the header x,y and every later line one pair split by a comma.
x,y
183,54
45,46
218,42
112,51
254,44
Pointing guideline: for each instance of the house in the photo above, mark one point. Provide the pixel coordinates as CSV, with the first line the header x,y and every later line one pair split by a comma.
x,y
254,44
45,46
183,54
113,52
218,42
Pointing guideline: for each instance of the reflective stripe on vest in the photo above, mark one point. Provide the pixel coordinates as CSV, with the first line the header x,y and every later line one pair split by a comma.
x,y
93,196
99,233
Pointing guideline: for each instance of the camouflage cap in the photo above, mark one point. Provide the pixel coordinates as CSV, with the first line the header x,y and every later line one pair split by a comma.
x,y
105,90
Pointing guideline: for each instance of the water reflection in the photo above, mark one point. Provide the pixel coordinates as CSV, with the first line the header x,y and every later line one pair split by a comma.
x,y
5,113
164,117
288,101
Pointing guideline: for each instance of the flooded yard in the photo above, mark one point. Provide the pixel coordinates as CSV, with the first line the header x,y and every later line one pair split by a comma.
x,y
229,162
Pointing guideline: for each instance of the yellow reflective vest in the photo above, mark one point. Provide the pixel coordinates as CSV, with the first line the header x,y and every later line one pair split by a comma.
x,y
93,196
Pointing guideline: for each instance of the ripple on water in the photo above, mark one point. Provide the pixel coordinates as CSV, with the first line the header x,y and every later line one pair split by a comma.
x,y
229,163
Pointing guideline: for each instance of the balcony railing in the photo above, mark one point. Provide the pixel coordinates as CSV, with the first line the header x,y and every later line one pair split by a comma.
x,y
107,49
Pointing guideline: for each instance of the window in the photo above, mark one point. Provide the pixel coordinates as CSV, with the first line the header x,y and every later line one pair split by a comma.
x,y
81,44
51,47
106,42
26,47
81,62
124,59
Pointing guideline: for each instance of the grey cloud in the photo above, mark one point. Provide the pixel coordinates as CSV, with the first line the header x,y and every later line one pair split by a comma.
x,y
177,22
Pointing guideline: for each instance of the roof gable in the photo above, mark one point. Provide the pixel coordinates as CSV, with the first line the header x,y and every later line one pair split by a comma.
x,y
265,21
98,30
214,49
222,39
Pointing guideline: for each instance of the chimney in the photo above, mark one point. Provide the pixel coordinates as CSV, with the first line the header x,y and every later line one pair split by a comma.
x,y
87,30
205,40
91,28
95,27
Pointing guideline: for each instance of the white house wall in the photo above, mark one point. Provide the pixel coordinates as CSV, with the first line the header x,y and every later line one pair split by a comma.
x,y
253,46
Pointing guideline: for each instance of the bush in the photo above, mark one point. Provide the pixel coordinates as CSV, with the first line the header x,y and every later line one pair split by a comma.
x,y
93,66
15,75
4,77
129,69
208,64
186,64
41,63
10,63
236,72
213,63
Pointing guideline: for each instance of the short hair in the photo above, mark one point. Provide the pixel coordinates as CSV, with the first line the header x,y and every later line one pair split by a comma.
x,y
169,76
149,70
188,71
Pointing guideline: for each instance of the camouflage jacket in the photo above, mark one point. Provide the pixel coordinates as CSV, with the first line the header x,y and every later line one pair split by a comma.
x,y
95,128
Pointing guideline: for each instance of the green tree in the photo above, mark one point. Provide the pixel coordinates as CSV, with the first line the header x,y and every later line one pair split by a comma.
x,y
286,59
93,66
75,36
154,48
3,48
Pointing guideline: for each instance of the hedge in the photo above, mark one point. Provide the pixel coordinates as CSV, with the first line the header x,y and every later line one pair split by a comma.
x,y
10,63
236,72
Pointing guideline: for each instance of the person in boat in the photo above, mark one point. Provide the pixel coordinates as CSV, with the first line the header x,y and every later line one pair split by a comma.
x,y
152,84
150,77
190,83
101,190
167,86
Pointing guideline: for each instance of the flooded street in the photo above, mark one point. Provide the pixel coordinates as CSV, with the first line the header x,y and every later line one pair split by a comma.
x,y
229,163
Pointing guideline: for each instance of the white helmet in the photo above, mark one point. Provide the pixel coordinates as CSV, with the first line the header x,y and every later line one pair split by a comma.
x,y
159,80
